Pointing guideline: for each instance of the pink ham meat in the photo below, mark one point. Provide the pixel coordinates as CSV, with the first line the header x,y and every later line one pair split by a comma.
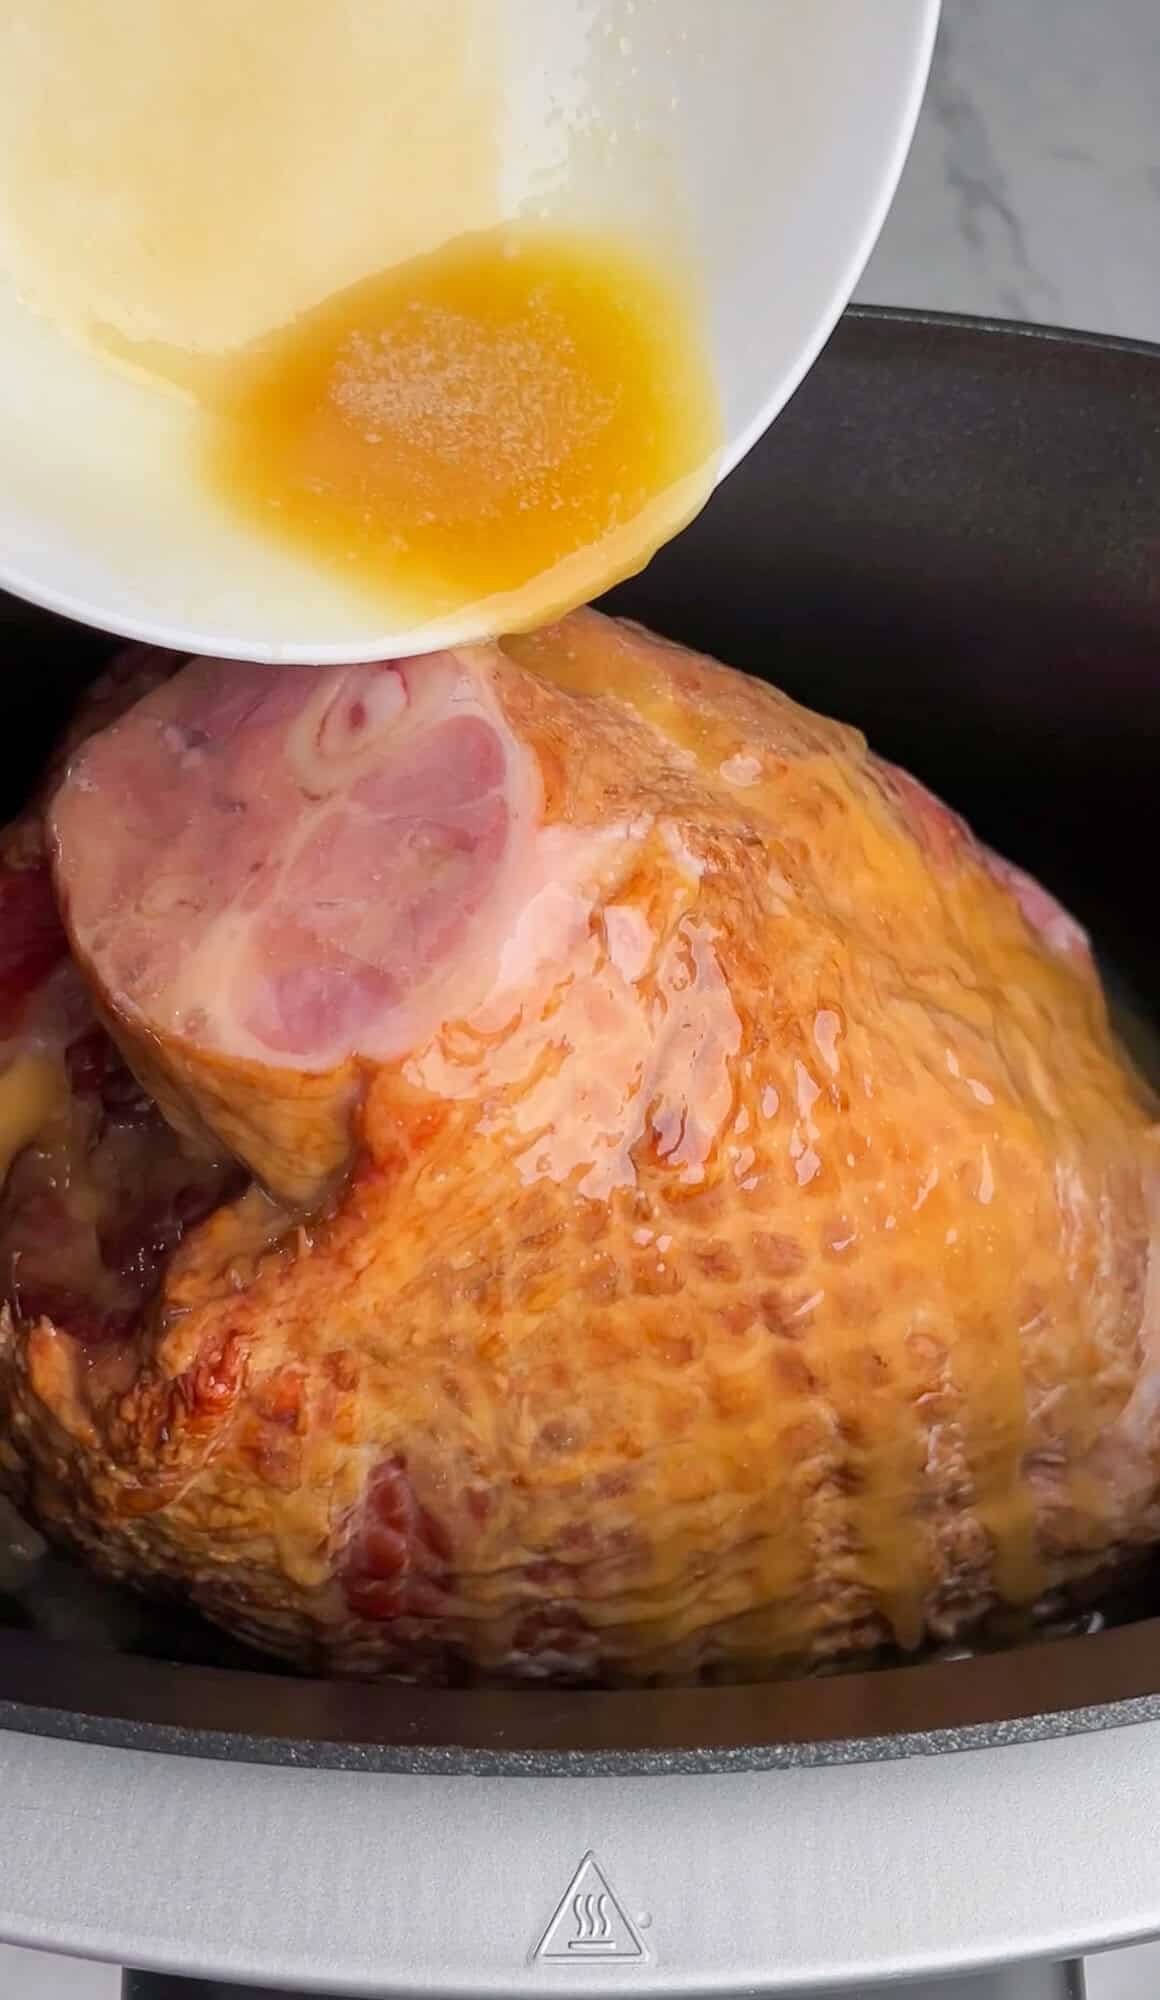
x,y
271,877
94,1205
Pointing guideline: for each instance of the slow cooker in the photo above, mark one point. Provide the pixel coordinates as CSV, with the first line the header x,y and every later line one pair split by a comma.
x,y
952,537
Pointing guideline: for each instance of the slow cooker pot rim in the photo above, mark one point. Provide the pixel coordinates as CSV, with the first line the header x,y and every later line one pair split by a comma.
x,y
1095,1682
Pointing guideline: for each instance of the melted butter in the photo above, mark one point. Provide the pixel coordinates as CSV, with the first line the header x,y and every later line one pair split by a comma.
x,y
609,1056
831,826
586,656
31,1089
524,403
913,1444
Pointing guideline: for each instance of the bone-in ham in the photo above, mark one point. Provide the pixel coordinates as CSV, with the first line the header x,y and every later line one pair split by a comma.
x,y
644,1193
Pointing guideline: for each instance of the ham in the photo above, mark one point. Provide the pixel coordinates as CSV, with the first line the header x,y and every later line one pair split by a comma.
x,y
97,1191
699,1219
323,855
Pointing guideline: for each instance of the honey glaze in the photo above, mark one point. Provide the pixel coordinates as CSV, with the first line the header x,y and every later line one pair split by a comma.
x,y
524,403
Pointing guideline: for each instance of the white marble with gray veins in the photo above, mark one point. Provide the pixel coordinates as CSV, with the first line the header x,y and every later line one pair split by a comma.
x,y
1033,190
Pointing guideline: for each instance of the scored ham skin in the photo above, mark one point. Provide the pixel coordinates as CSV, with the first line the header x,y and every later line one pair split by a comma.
x,y
746,1254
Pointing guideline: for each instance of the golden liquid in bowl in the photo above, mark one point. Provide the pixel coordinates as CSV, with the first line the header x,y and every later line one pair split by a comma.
x,y
202,197
451,428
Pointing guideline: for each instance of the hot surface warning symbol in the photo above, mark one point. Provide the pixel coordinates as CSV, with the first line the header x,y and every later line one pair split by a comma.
x,y
589,1923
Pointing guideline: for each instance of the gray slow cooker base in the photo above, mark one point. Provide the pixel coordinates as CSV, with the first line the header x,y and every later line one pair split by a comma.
x,y
820,1879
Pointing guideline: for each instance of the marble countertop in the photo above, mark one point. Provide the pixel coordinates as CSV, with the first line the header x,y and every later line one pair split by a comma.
x,y
1033,191
1033,188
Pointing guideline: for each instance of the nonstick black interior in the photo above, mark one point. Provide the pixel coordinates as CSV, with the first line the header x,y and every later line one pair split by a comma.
x,y
951,537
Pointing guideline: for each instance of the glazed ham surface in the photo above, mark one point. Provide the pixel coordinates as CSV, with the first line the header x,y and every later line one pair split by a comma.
x,y
594,1175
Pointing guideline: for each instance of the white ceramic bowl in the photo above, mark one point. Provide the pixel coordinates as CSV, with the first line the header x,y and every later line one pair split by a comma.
x,y
767,136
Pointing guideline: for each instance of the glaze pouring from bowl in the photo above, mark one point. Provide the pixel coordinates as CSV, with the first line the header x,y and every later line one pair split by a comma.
x,y
632,126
